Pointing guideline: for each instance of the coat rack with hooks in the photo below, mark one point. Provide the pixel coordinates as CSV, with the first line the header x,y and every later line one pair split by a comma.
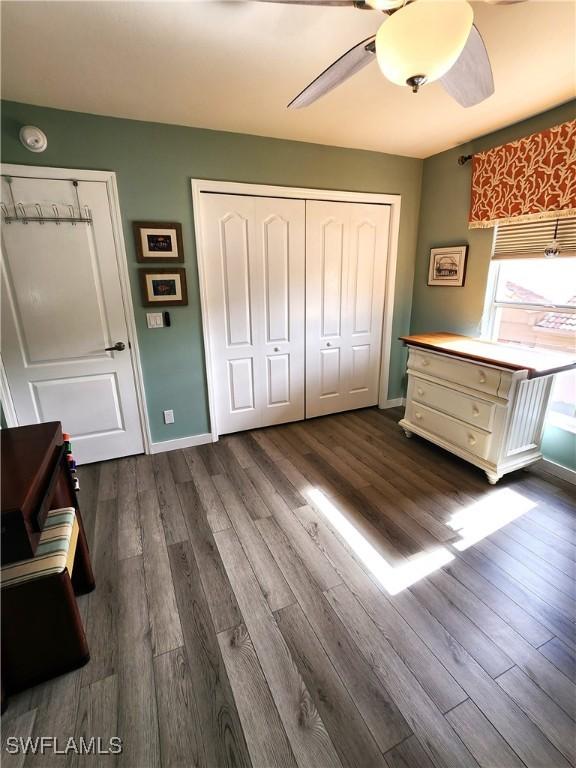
x,y
59,214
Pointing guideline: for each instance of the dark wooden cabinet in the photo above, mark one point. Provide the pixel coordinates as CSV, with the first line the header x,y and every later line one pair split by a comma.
x,y
35,479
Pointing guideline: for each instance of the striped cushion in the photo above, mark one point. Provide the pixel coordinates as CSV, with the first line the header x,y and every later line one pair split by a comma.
x,y
55,550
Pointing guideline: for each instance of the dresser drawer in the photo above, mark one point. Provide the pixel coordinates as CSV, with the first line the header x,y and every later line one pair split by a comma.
x,y
472,375
475,411
471,439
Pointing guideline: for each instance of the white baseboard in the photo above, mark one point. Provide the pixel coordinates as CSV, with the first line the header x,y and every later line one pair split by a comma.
x,y
180,442
547,467
394,403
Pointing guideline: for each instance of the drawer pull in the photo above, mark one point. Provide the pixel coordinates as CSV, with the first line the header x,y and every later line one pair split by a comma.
x,y
418,416
482,377
471,440
425,362
475,410
420,391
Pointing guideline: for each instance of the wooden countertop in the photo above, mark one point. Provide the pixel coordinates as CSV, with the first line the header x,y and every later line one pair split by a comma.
x,y
536,362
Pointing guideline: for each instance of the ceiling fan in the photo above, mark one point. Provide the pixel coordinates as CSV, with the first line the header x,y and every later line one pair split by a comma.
x,y
419,42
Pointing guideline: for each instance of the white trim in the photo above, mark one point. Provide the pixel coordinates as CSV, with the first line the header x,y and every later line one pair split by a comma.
x,y
129,310
564,308
298,193
6,397
109,177
489,311
547,467
394,233
396,402
181,442
200,186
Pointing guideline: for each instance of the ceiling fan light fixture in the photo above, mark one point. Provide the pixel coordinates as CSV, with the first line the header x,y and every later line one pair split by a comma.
x,y
422,41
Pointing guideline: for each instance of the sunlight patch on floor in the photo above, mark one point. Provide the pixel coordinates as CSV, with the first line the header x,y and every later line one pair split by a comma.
x,y
393,578
491,513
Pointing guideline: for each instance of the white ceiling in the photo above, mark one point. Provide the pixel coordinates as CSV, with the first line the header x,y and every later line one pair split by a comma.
x,y
235,65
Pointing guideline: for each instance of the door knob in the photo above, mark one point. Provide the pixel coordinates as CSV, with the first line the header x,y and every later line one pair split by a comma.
x,y
118,347
276,349
328,344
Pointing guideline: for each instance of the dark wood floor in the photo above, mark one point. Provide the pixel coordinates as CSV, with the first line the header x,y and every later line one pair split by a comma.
x,y
320,594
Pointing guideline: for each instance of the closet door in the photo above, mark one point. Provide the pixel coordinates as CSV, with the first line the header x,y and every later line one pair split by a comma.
x,y
346,253
254,264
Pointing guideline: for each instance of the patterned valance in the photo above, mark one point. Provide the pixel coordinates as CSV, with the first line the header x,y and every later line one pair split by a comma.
x,y
526,180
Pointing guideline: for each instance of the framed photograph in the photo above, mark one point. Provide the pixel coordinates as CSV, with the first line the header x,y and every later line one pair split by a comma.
x,y
163,287
157,241
448,266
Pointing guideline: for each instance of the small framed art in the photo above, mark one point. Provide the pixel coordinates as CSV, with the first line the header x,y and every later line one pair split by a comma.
x,y
163,287
157,241
448,266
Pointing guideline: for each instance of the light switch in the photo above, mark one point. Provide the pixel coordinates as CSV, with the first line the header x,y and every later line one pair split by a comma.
x,y
154,319
169,417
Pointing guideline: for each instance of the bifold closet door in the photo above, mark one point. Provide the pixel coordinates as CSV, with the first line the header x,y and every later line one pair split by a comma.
x,y
254,272
346,254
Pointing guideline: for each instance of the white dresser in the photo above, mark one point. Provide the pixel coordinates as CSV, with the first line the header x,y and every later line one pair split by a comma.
x,y
483,402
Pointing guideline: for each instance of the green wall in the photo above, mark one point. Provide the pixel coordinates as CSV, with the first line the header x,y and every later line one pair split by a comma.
x,y
559,445
154,164
444,221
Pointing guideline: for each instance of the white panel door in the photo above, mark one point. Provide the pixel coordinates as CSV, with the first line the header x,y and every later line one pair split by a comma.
x,y
346,253
61,307
254,264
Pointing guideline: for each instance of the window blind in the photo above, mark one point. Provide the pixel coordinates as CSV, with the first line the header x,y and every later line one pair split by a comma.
x,y
529,240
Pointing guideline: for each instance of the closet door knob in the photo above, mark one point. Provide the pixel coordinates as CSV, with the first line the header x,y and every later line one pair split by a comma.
x,y
328,344
276,349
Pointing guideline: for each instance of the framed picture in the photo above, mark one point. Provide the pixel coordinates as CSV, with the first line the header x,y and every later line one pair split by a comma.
x,y
163,287
448,266
157,241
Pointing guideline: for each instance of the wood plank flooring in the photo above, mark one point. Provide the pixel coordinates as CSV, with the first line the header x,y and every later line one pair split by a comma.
x,y
320,594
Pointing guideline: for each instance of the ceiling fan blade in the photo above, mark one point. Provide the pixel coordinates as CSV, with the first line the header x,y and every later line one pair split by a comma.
x,y
347,65
470,80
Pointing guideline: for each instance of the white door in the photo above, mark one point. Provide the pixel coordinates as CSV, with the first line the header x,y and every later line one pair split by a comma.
x,y
346,253
254,265
62,308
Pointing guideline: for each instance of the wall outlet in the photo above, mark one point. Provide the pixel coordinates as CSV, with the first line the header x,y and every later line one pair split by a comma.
x,y
154,319
169,417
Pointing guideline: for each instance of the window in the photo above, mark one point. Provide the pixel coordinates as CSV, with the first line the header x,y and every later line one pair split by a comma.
x,y
531,302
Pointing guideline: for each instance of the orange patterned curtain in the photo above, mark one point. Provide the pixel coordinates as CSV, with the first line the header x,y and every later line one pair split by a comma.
x,y
525,180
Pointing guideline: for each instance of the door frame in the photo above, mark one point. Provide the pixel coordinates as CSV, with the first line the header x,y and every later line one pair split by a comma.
x,y
109,178
200,186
